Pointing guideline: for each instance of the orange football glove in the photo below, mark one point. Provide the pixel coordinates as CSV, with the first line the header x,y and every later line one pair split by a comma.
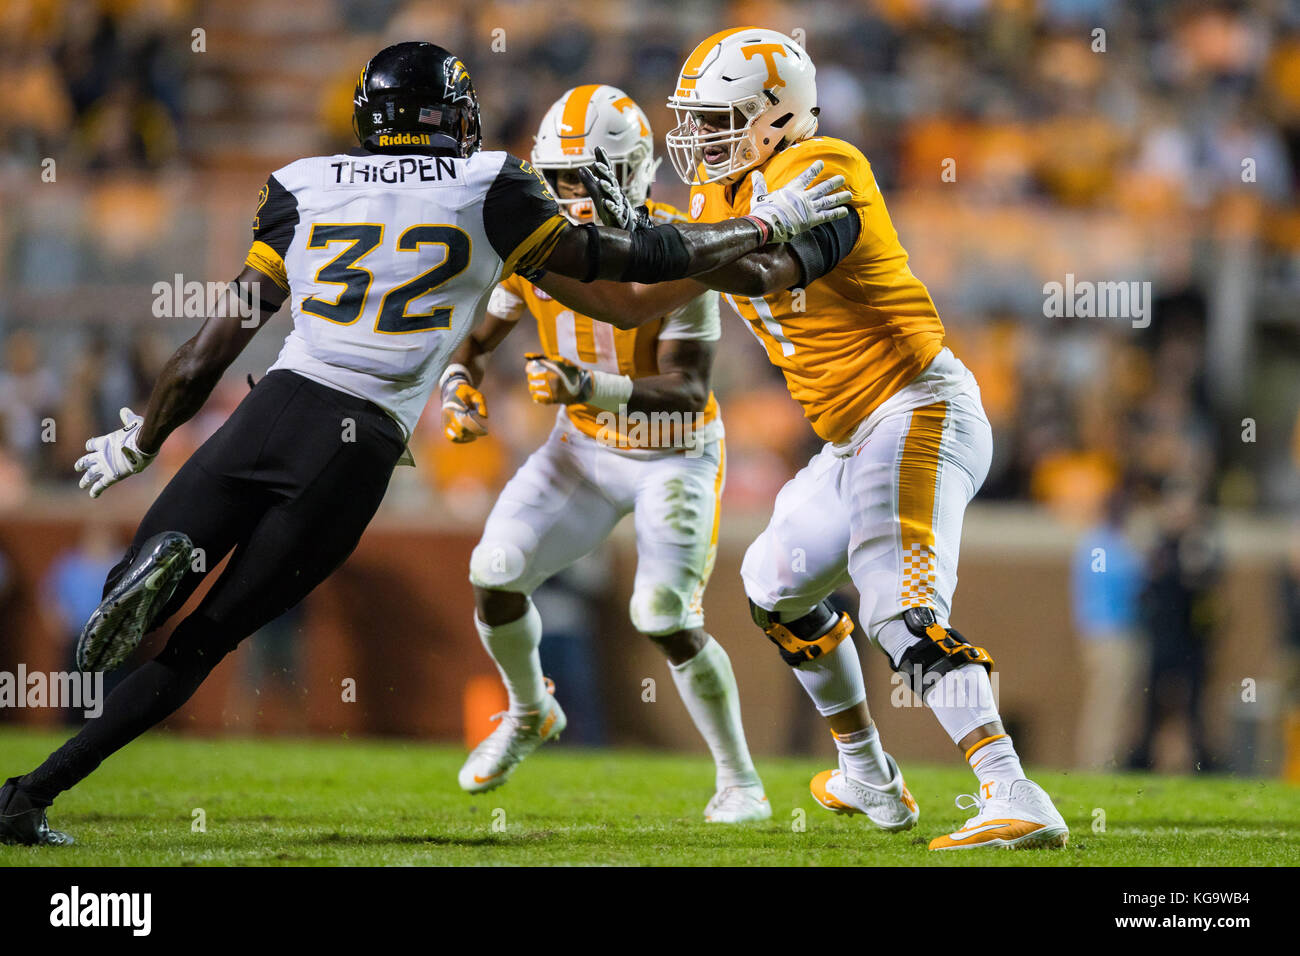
x,y
464,410
556,381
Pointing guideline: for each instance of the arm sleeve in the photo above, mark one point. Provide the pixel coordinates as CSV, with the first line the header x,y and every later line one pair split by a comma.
x,y
273,228
697,319
822,248
521,218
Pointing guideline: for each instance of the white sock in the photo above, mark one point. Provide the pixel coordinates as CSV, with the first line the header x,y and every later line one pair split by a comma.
x,y
834,680
862,756
962,700
994,760
513,647
708,688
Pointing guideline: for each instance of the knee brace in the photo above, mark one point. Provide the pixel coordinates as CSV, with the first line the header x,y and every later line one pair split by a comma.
x,y
939,650
806,637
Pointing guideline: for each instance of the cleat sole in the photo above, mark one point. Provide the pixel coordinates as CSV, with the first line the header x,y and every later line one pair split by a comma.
x,y
117,626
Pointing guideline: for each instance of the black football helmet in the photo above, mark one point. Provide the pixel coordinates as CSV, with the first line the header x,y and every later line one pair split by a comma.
x,y
416,97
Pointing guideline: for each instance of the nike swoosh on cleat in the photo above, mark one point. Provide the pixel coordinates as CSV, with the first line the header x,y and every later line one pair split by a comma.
x,y
831,803
967,834
478,779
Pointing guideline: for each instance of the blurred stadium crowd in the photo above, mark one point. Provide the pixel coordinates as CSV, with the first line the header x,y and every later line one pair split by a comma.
x,y
1016,142
1111,155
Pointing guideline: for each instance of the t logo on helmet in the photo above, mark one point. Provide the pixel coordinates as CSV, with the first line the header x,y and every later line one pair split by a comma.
x,y
768,52
627,103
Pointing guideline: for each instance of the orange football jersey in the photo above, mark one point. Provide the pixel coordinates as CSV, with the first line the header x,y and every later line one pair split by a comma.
x,y
593,344
861,332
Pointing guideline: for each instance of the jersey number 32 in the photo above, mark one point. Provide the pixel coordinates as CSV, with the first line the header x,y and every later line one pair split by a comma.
x,y
345,270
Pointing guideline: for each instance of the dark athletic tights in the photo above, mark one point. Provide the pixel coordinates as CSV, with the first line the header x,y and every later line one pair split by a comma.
x,y
288,483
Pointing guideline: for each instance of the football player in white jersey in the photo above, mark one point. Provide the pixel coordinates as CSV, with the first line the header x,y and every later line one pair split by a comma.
x,y
638,432
386,256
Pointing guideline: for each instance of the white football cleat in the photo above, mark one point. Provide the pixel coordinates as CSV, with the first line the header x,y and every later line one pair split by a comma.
x,y
738,804
518,735
889,806
1018,815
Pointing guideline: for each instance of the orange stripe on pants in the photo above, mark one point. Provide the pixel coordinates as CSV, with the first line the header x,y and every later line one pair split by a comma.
x,y
918,481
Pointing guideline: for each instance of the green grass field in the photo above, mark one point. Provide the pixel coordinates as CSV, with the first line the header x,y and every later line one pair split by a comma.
x,y
365,802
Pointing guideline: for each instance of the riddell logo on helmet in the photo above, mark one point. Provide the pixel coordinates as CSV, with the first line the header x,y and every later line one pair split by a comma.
x,y
404,139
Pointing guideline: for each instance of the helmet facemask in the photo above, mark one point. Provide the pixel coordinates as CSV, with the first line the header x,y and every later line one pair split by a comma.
x,y
742,94
633,170
742,138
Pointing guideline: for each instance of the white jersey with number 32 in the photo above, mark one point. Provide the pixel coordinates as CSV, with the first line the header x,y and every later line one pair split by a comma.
x,y
388,261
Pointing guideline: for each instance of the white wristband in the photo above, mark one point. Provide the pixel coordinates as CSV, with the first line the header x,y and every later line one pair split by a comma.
x,y
609,391
452,371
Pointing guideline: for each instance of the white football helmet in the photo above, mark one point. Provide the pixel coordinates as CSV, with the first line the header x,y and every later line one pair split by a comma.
x,y
582,119
766,86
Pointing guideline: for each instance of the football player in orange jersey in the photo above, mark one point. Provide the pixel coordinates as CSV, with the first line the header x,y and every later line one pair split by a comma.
x,y
861,346
637,431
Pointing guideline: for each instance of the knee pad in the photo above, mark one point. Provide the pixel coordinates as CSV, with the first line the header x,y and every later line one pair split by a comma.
x,y
496,564
807,637
658,610
937,651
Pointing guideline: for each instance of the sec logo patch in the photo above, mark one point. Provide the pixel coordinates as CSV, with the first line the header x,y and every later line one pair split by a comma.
x,y
697,205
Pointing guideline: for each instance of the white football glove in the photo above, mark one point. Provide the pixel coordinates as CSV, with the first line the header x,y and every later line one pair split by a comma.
x,y
113,457
464,409
795,207
556,381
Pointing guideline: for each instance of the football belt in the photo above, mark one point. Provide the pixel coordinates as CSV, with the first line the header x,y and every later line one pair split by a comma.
x,y
940,650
